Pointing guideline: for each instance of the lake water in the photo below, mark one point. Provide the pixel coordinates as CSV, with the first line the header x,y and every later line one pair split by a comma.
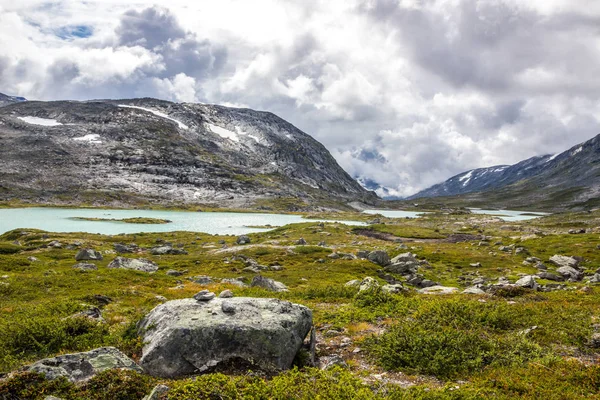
x,y
60,220
506,215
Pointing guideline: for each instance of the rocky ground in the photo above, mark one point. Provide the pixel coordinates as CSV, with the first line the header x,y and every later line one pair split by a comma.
x,y
449,306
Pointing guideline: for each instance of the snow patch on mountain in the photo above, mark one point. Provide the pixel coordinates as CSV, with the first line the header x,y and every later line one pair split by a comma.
x,y
91,138
158,114
224,133
40,121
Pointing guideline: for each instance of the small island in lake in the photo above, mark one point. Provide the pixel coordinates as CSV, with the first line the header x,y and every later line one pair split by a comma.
x,y
134,220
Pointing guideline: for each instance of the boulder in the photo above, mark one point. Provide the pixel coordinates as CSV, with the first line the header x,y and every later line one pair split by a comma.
x,y
174,272
269,284
301,242
243,239
226,294
353,283
185,337
88,254
564,261
122,248
204,295
157,392
233,281
527,282
438,290
379,257
395,288
405,263
137,264
570,273
166,250
368,284
473,290
203,280
80,367
550,276
85,266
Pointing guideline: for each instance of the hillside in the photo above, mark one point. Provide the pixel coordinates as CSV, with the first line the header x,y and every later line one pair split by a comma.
x,y
568,180
146,150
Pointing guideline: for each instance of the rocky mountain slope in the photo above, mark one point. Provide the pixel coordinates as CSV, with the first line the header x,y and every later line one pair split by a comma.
x,y
6,100
126,150
566,180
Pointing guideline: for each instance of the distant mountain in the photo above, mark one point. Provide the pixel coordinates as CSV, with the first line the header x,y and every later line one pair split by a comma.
x,y
6,100
567,180
371,185
152,150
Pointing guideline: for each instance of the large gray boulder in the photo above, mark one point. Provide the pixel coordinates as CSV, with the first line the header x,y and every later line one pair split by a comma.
x,y
137,264
88,254
528,282
186,337
269,284
405,263
80,367
564,261
570,273
379,257
164,250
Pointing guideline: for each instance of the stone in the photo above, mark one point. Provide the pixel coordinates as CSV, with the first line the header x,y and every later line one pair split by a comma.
x,y
550,276
157,392
226,294
333,361
174,272
92,313
137,264
394,289
438,290
333,256
160,298
32,259
301,242
267,283
475,265
570,273
595,278
405,263
166,250
204,295
425,283
363,254
527,281
102,300
473,290
353,283
564,261
88,254
252,270
185,337
243,239
85,266
368,283
233,281
79,367
122,248
595,341
379,257
203,280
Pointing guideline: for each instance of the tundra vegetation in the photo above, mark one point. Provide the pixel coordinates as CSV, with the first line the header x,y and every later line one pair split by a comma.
x,y
507,341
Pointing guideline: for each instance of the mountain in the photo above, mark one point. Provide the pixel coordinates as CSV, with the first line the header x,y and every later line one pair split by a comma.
x,y
6,100
371,185
148,150
566,180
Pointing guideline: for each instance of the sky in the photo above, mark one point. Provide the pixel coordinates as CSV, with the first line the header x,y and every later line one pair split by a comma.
x,y
406,93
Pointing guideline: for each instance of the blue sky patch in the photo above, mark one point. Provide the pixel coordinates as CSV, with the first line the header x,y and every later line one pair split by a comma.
x,y
77,31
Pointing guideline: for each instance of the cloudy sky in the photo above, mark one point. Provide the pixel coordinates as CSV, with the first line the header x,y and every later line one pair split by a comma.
x,y
404,92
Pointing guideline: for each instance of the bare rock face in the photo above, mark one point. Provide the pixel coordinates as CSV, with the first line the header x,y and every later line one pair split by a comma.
x,y
137,264
269,284
186,337
564,261
79,367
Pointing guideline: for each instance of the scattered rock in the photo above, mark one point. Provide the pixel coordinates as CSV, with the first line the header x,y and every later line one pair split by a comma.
x,y
564,261
243,239
203,280
174,272
473,290
333,256
394,289
234,281
527,282
85,267
301,242
32,259
79,367
438,290
570,273
166,250
332,361
353,283
405,263
475,265
184,337
102,300
92,313
160,298
137,264
379,257
576,231
550,276
122,248
269,284
368,283
157,392
204,295
595,340
88,254
226,294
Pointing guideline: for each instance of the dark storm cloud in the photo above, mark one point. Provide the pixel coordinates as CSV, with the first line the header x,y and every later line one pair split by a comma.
x,y
159,31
